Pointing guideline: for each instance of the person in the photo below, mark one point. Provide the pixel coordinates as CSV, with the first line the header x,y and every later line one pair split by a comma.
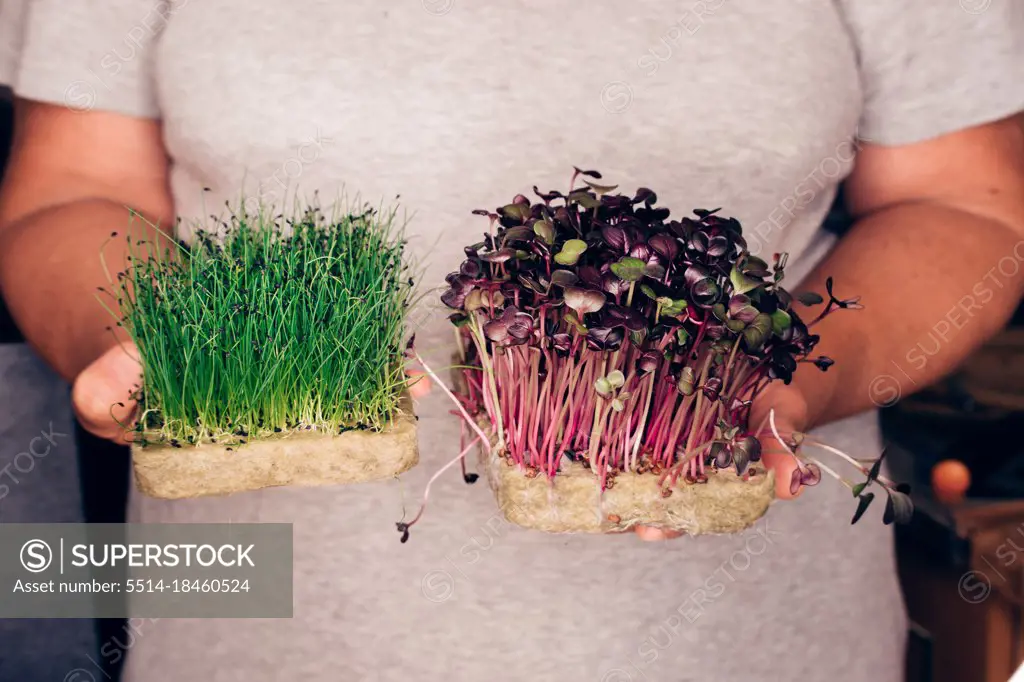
x,y
39,481
760,108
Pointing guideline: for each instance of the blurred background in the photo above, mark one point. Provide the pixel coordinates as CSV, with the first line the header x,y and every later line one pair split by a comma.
x,y
961,560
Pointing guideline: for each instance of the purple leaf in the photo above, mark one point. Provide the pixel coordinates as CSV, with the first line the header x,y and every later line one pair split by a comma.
x,y
605,338
561,342
646,196
589,275
471,268
811,475
722,455
613,285
750,447
496,330
615,237
711,388
718,246
499,256
795,482
648,362
564,278
665,246
589,173
694,274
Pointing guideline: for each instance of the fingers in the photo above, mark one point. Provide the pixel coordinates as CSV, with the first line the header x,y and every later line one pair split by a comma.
x,y
652,534
100,394
789,409
783,464
419,383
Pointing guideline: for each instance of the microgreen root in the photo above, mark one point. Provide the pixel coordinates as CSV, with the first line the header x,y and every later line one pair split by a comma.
x,y
404,527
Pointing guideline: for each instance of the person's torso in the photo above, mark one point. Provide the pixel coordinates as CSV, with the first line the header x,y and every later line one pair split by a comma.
x,y
746,106
456,105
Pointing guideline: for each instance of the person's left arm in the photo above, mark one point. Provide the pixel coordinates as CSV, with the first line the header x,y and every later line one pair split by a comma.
x,y
937,256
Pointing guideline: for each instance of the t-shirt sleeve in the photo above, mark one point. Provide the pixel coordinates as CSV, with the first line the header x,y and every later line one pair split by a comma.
x,y
930,67
84,55
11,30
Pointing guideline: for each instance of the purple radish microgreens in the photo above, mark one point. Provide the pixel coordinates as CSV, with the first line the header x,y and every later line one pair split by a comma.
x,y
592,327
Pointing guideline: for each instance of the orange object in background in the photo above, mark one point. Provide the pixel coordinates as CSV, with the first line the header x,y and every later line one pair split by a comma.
x,y
950,480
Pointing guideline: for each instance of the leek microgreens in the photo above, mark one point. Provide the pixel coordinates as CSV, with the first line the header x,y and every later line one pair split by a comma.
x,y
272,324
595,328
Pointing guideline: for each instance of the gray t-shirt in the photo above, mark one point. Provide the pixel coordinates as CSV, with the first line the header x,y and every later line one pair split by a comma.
x,y
456,105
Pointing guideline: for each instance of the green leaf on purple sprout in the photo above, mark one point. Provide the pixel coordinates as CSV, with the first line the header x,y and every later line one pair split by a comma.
x,y
629,269
603,387
515,211
473,301
757,332
459,319
864,501
571,252
781,321
687,381
493,299
600,189
809,298
584,198
517,234
736,325
545,230
616,379
573,320
742,283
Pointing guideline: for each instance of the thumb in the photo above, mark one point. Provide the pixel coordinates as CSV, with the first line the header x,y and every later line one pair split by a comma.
x,y
777,458
790,412
101,394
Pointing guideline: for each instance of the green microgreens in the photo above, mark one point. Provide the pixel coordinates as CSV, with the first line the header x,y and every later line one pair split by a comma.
x,y
272,325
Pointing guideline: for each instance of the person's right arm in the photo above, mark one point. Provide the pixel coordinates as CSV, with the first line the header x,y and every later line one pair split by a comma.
x,y
71,177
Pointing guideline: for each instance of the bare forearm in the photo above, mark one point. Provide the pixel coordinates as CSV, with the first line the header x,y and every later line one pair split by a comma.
x,y
935,283
50,275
